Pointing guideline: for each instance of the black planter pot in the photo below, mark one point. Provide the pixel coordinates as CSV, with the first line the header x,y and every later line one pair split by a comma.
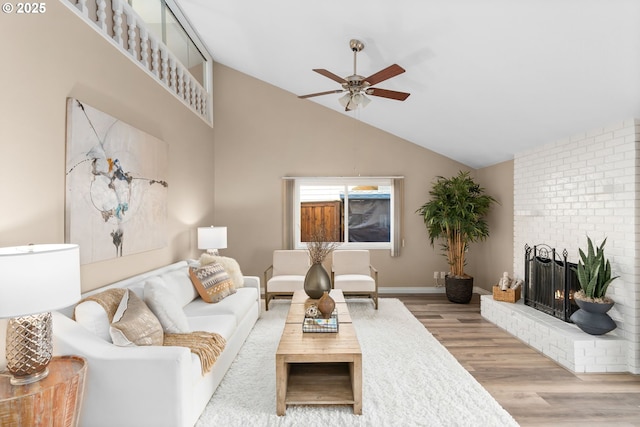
x,y
459,289
592,317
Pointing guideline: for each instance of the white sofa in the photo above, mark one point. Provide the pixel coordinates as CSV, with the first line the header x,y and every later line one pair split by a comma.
x,y
156,385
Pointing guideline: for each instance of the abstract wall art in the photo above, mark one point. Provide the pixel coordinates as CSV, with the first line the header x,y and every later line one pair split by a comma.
x,y
116,187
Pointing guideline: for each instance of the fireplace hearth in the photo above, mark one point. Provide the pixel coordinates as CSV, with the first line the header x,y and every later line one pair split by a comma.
x,y
550,281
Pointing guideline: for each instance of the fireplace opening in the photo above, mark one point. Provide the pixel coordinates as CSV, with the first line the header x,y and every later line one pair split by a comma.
x,y
550,281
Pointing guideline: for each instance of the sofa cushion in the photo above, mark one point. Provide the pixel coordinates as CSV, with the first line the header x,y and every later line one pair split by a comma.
x,y
223,324
179,282
135,324
230,265
237,305
164,304
212,282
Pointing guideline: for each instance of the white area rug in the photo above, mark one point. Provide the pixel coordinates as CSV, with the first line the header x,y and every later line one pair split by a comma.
x,y
409,378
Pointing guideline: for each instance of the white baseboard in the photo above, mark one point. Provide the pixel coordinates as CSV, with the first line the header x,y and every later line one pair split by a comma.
x,y
481,291
411,290
424,290
417,290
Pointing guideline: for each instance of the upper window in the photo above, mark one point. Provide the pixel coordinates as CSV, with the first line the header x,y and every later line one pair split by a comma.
x,y
359,212
162,21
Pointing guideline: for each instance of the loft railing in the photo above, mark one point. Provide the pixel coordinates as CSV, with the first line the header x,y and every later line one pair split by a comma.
x,y
119,23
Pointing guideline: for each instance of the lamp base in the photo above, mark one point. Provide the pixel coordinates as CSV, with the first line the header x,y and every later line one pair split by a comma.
x,y
29,347
30,378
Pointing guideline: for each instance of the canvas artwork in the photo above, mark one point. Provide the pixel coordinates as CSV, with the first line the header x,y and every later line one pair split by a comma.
x,y
116,187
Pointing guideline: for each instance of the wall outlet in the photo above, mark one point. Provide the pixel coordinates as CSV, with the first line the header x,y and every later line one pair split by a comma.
x,y
443,274
435,274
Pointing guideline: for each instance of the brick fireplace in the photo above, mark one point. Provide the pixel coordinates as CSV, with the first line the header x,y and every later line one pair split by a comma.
x,y
588,184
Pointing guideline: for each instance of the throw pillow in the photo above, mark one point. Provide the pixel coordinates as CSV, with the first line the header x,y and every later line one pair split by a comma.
x,y
134,324
179,282
164,304
230,265
92,316
212,282
96,311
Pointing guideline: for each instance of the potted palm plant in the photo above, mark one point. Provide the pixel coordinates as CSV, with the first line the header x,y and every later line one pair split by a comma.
x,y
456,214
594,276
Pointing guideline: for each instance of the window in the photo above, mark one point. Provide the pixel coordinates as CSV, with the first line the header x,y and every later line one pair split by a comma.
x,y
359,212
162,21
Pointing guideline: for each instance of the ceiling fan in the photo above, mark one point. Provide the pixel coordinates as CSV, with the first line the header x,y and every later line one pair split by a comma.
x,y
357,86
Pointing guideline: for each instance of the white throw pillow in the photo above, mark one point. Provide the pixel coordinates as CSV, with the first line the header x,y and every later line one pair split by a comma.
x,y
179,283
92,316
134,324
164,304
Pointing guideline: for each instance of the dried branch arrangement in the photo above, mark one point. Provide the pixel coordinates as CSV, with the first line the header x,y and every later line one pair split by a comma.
x,y
319,246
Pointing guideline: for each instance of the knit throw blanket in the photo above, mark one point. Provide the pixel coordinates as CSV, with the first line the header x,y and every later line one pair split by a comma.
x,y
206,345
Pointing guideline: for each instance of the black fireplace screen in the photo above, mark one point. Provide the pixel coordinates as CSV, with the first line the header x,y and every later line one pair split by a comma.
x,y
550,281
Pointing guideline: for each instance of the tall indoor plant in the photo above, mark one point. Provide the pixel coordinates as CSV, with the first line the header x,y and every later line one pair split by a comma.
x,y
456,214
594,275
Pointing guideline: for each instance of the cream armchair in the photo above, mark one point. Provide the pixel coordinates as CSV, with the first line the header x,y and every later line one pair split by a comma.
x,y
286,274
352,272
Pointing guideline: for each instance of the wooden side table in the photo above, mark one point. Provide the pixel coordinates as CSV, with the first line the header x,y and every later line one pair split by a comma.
x,y
52,402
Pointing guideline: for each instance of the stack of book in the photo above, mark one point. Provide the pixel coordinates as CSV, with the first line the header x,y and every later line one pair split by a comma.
x,y
319,324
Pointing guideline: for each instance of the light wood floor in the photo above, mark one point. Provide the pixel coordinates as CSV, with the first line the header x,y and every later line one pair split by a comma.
x,y
535,390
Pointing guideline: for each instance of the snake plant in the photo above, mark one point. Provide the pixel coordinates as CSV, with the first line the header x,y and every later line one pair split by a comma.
x,y
594,271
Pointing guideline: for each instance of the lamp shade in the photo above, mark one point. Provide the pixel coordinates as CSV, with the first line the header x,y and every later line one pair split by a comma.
x,y
212,237
38,278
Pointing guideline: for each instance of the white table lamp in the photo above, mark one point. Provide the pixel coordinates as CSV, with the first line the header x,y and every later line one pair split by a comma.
x,y
34,280
212,238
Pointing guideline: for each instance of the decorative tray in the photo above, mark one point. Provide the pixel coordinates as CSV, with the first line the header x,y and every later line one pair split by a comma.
x,y
320,324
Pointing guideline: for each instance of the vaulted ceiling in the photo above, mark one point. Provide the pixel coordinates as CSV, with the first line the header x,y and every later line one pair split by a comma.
x,y
488,78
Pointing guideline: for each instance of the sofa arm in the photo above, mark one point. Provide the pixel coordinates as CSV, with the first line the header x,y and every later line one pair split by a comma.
x,y
253,282
117,375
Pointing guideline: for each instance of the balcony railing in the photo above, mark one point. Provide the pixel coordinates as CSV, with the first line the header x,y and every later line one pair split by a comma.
x,y
121,25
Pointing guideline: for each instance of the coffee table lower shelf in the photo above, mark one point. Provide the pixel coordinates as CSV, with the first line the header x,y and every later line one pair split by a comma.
x,y
319,384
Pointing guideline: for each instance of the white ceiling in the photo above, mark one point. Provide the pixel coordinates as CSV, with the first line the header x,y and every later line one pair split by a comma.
x,y
488,78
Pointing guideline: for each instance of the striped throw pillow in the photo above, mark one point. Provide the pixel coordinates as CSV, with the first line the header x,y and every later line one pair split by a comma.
x,y
212,282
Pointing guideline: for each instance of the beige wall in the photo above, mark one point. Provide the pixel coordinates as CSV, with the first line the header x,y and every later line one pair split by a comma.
x,y
495,255
47,58
263,133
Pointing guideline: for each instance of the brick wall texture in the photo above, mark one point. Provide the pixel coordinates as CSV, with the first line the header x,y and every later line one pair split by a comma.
x,y
587,185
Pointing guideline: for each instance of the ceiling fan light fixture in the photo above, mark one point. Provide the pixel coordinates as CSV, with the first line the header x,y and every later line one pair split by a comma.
x,y
352,101
364,101
345,100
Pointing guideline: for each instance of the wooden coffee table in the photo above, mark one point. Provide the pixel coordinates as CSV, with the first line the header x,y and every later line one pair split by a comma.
x,y
318,368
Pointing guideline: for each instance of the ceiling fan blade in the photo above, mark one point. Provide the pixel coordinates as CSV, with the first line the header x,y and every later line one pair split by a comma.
x,y
382,75
384,93
330,75
320,93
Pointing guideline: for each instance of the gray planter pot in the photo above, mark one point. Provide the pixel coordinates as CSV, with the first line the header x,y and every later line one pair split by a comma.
x,y
592,317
